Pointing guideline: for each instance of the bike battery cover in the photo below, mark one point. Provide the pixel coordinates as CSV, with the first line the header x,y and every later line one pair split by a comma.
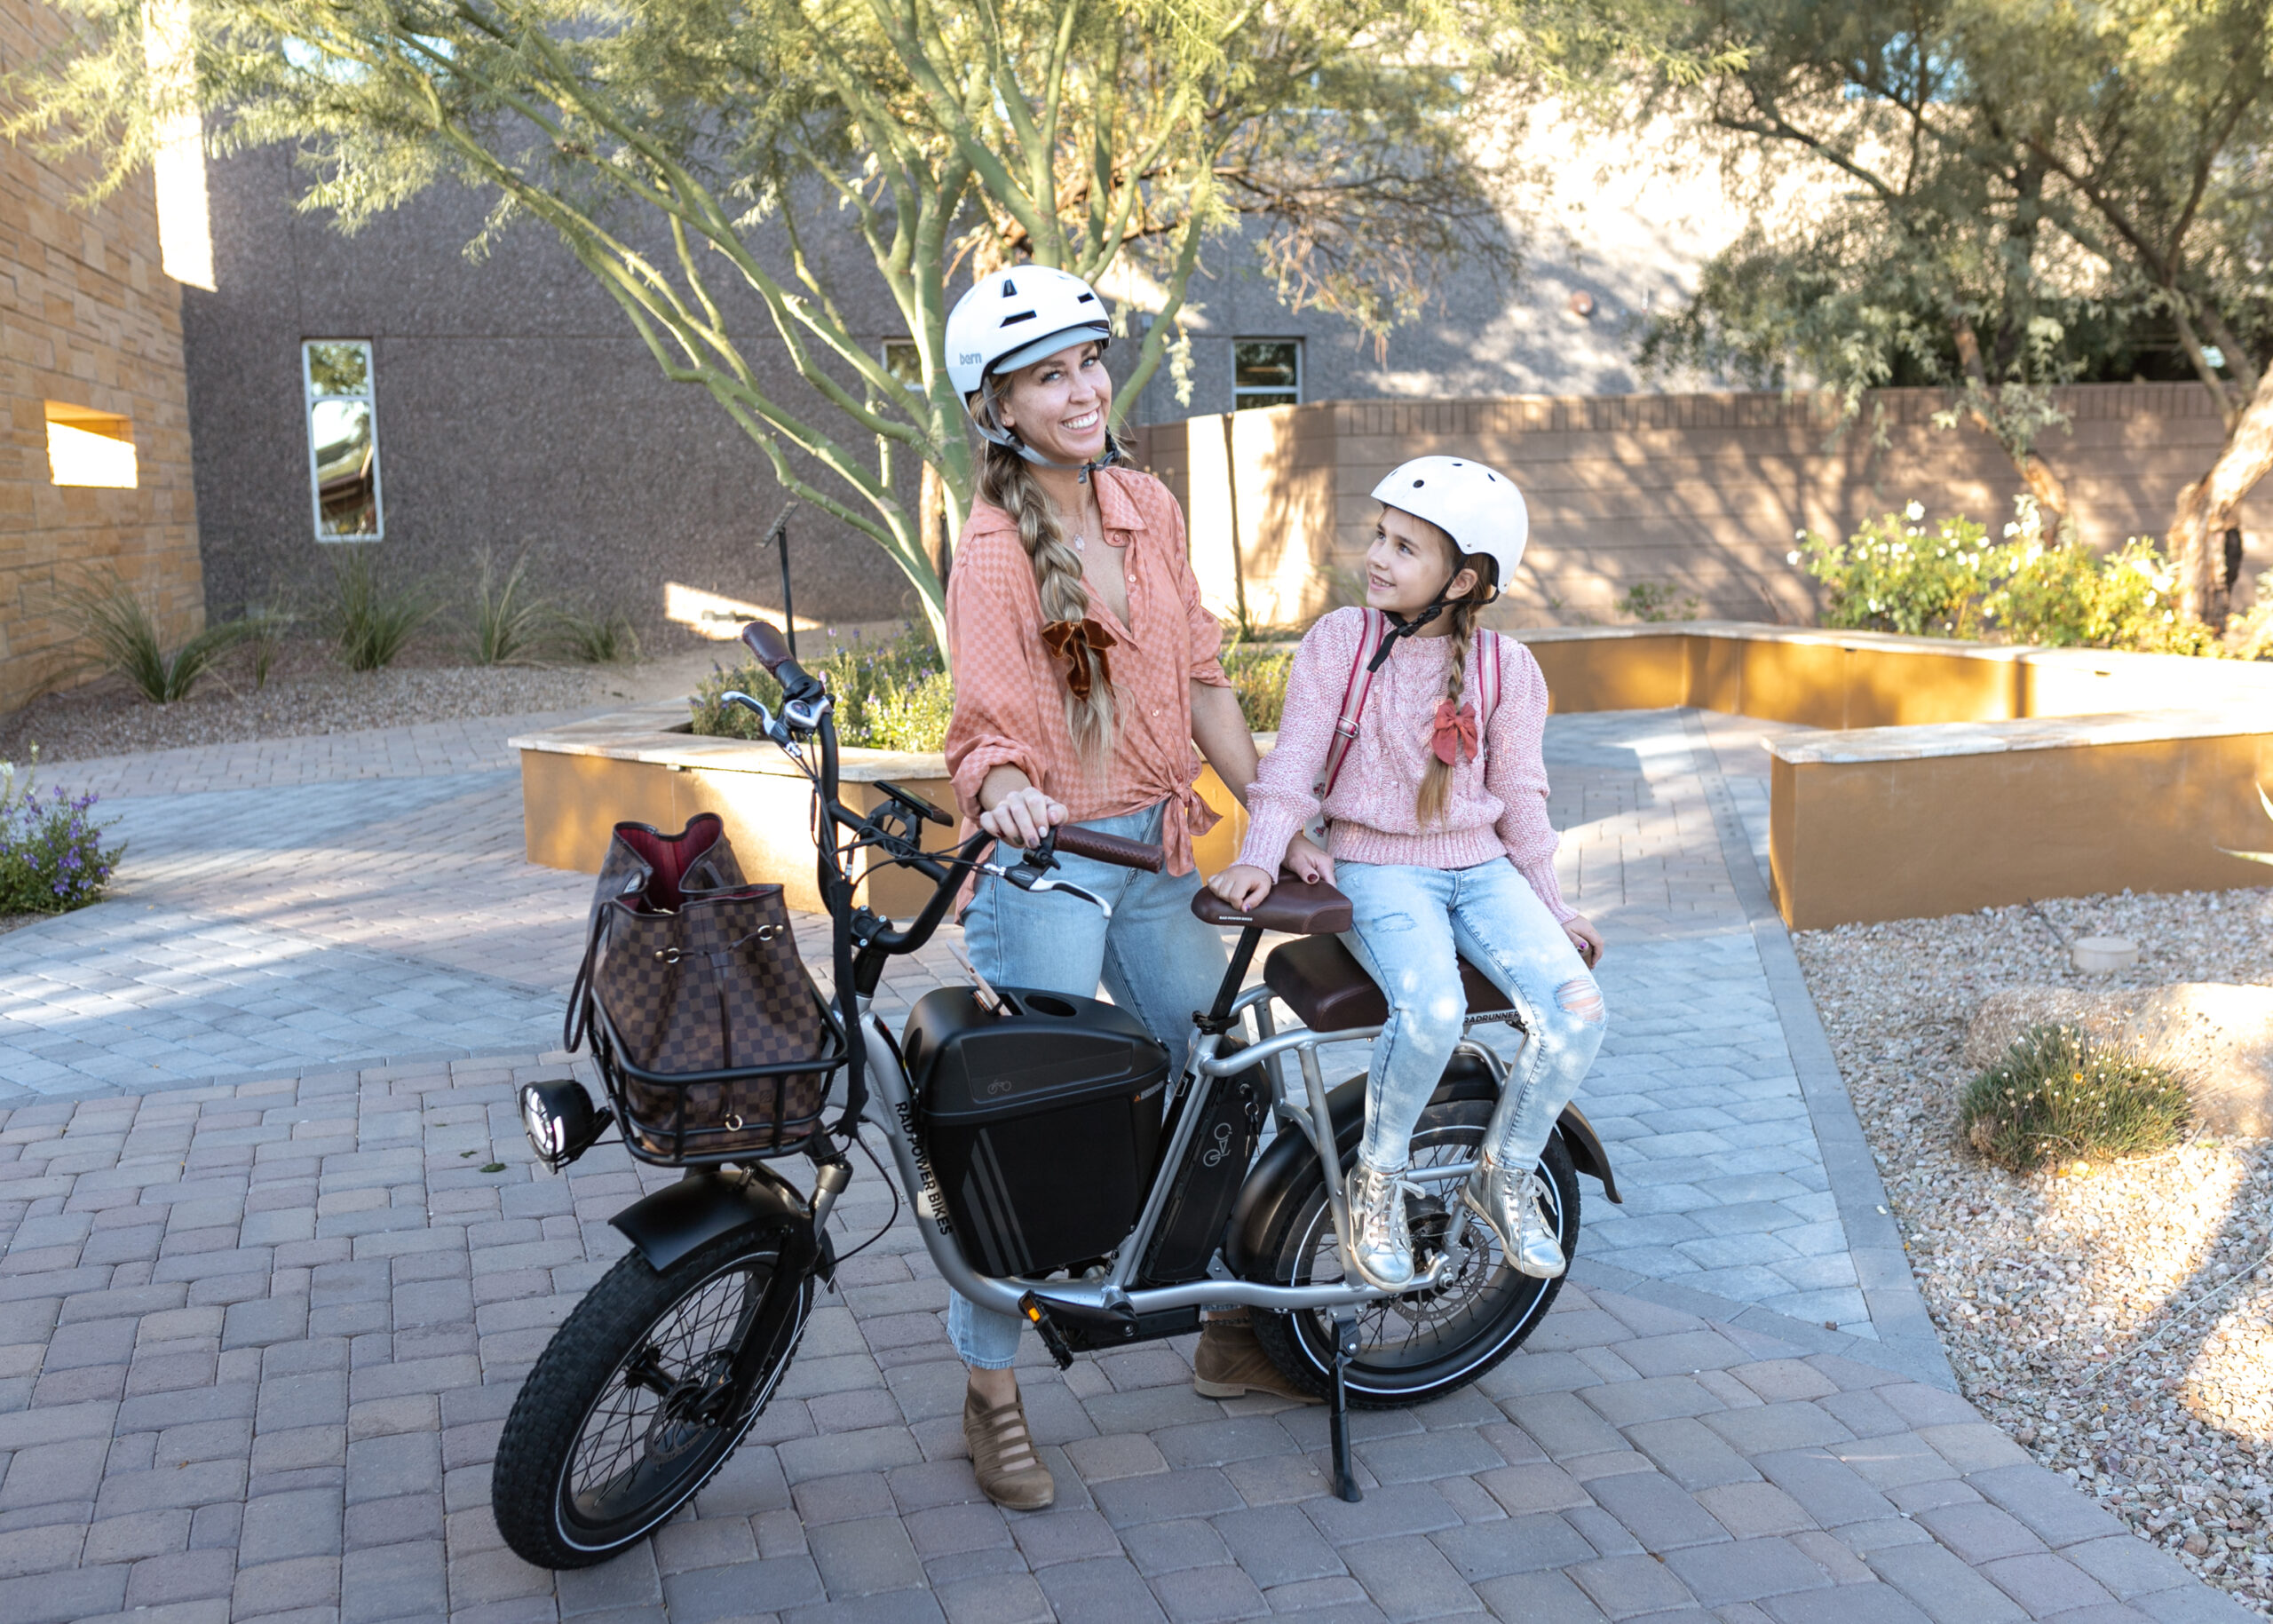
x,y
1039,1123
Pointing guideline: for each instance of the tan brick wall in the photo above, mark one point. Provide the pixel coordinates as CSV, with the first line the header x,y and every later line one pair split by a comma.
x,y
1699,491
90,319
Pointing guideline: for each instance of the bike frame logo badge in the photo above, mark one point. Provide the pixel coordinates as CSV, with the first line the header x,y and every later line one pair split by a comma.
x,y
1222,1146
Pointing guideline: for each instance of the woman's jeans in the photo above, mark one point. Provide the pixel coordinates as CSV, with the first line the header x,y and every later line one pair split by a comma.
x,y
1158,962
1410,924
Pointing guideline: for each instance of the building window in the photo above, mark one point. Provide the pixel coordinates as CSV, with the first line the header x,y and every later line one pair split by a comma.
x,y
85,446
1266,372
343,439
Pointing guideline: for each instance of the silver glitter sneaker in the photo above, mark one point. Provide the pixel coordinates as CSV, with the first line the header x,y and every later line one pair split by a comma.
x,y
1508,1199
1383,1246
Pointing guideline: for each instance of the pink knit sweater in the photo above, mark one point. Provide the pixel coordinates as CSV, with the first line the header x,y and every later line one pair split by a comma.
x,y
1497,809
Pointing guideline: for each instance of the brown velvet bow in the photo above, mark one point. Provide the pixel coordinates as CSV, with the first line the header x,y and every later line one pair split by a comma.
x,y
1455,731
1070,640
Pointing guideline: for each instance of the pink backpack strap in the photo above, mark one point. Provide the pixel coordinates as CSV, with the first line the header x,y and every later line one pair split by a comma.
x,y
1488,654
1353,699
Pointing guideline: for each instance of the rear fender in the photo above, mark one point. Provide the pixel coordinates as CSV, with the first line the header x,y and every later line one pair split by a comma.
x,y
673,1221
1276,1175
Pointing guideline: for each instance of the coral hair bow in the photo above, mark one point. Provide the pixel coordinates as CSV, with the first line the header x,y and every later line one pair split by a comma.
x,y
1070,640
1455,731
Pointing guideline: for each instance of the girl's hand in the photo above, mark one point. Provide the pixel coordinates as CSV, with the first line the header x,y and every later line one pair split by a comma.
x,y
1307,862
1021,817
1242,886
1585,937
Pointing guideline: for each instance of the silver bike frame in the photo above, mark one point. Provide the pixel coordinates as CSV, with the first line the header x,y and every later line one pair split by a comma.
x,y
1114,1291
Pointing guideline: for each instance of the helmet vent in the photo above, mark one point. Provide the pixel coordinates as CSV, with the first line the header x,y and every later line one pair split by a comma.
x,y
1087,298
1024,315
1417,484
1010,290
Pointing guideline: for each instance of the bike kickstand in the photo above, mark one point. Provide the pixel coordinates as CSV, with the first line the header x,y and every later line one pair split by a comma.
x,y
1345,1349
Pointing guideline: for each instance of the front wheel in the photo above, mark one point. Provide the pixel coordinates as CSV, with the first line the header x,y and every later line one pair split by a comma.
x,y
1425,1343
622,1418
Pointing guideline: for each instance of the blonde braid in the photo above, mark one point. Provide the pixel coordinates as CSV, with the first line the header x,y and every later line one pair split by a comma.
x,y
1436,781
1006,481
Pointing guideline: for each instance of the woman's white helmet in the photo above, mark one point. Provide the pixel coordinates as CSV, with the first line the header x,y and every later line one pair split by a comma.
x,y
1478,507
1014,318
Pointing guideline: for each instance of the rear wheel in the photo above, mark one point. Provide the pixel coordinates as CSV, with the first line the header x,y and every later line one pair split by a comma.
x,y
1424,1344
621,1421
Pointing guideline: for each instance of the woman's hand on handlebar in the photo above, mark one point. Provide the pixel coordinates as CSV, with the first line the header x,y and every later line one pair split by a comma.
x,y
1242,886
1022,817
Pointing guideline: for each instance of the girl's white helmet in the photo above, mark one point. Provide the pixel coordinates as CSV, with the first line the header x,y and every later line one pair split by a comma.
x,y
1478,507
1014,318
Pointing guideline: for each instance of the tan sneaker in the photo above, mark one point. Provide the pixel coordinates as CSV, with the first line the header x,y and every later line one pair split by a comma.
x,y
1231,1361
1001,1453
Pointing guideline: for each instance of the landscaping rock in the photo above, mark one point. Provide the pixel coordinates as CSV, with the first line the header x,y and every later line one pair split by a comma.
x,y
2215,1037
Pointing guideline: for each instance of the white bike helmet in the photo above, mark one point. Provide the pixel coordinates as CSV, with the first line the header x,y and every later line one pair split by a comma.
x,y
1478,507
1014,319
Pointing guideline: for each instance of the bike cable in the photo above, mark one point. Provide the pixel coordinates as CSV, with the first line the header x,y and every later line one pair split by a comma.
x,y
889,1183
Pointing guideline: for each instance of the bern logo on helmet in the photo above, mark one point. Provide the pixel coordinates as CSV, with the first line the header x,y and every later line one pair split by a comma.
x,y
969,358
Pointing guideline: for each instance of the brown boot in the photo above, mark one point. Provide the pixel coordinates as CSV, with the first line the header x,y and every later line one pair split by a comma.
x,y
1231,1361
1001,1453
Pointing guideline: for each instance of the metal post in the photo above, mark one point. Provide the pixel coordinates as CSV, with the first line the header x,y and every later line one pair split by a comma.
x,y
779,535
1345,1349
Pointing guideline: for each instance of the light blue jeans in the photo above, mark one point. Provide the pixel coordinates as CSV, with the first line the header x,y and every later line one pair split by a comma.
x,y
1158,962
1410,926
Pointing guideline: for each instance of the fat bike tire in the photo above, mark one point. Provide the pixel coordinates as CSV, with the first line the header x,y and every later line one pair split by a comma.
x,y
602,1445
1424,1344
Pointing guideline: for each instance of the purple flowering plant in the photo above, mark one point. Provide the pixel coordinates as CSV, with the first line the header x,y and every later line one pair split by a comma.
x,y
52,858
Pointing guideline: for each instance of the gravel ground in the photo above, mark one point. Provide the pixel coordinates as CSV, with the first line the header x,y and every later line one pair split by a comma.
x,y
307,692
2117,1319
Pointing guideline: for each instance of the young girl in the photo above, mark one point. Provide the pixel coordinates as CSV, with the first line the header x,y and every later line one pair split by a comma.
x,y
1439,837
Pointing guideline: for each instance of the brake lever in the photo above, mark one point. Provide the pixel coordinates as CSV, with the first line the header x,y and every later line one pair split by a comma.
x,y
805,715
767,722
1044,883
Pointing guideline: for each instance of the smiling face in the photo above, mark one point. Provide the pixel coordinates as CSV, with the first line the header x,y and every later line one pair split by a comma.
x,y
1058,405
1406,565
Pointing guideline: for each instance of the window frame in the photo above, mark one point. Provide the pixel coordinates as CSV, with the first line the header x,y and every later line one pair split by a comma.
x,y
1240,394
310,399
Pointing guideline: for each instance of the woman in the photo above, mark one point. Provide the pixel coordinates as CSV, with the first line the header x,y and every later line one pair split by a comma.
x,y
1086,669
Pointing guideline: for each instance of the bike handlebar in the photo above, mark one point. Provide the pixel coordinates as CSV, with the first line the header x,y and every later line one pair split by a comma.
x,y
1103,848
772,651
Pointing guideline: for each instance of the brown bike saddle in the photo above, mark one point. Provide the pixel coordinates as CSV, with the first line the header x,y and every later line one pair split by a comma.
x,y
1317,977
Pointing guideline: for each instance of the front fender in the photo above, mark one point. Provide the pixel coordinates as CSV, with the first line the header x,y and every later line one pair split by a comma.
x,y
673,1221
1274,1178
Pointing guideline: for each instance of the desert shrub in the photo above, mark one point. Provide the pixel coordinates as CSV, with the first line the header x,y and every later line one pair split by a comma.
x,y
369,617
2249,635
2059,1092
52,856
1656,601
913,718
2069,597
594,637
1258,676
860,673
266,628
111,617
507,620
1895,573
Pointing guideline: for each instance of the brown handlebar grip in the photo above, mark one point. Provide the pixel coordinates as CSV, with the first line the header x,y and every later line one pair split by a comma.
x,y
767,642
1109,848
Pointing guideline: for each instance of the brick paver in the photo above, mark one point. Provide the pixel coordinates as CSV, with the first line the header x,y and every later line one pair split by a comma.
x,y
258,1337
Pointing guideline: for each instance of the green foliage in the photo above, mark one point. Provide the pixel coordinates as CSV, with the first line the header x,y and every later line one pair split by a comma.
x,y
885,692
2249,635
111,617
2072,597
1657,601
912,719
594,637
370,618
52,856
683,151
508,623
1896,575
1258,676
2059,1092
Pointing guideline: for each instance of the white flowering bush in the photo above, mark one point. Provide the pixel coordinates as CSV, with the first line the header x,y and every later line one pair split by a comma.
x,y
1899,574
2071,597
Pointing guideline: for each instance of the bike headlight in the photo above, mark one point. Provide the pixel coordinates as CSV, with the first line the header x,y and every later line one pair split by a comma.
x,y
560,1120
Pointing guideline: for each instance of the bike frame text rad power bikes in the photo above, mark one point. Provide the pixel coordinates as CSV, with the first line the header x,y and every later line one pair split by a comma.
x,y
1063,1165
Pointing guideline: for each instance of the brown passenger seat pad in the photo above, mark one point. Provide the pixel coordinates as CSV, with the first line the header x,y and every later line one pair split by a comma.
x,y
1322,982
1294,905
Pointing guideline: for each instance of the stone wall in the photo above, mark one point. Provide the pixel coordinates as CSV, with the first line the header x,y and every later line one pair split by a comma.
x,y
90,322
1699,492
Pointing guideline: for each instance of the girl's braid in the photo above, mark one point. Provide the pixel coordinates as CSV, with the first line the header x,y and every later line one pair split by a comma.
x,y
1436,781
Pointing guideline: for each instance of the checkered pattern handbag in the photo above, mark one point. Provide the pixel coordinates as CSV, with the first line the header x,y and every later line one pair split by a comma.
x,y
704,1013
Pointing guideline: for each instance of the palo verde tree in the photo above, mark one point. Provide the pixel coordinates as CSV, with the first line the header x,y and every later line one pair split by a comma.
x,y
2025,168
685,151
